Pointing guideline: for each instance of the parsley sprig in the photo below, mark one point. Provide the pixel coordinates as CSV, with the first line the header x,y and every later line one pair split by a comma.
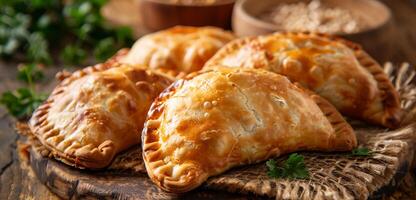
x,y
293,168
361,151
30,73
23,101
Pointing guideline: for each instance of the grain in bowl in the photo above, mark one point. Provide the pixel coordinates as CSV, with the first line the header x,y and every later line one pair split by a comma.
x,y
313,16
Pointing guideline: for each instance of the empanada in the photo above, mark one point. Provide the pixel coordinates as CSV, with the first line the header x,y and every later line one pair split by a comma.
x,y
338,70
212,121
95,113
178,49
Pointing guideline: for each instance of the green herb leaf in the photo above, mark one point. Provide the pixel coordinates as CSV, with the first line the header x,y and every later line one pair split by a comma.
x,y
124,35
273,170
43,3
294,168
363,151
22,102
73,54
13,30
105,49
38,50
30,73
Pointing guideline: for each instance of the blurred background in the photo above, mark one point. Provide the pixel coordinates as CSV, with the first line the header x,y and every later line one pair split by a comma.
x,y
386,29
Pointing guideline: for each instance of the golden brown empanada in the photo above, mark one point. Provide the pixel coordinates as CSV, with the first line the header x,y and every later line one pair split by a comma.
x,y
212,121
95,113
178,49
338,70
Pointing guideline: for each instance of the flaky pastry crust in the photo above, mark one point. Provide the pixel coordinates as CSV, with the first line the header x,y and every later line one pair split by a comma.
x,y
212,121
96,112
336,69
177,50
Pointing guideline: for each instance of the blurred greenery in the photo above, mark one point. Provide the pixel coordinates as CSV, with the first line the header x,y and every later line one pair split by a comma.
x,y
73,54
43,32
23,101
74,29
30,73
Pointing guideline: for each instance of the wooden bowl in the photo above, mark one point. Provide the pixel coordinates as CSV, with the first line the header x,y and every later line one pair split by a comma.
x,y
159,14
376,36
245,22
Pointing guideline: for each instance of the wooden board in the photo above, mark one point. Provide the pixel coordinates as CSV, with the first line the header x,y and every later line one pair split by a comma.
x,y
333,176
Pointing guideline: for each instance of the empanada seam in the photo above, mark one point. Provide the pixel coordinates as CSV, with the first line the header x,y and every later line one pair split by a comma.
x,y
341,132
39,120
174,186
391,113
390,98
340,126
39,133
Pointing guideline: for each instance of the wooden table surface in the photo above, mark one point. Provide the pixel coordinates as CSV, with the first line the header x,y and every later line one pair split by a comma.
x,y
18,182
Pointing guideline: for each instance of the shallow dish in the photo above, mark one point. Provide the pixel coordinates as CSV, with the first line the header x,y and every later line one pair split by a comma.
x,y
373,37
246,22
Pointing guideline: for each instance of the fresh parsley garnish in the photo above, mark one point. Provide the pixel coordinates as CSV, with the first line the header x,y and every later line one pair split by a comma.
x,y
361,151
30,73
293,168
22,102
104,49
73,54
38,48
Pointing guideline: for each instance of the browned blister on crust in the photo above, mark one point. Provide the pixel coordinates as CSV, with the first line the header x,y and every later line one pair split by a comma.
x,y
178,50
338,70
214,120
95,113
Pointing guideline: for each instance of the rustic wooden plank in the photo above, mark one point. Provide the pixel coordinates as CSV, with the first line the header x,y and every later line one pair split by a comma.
x,y
68,182
19,182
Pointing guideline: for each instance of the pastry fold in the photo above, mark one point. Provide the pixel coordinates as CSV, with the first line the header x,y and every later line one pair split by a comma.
x,y
96,112
214,120
336,69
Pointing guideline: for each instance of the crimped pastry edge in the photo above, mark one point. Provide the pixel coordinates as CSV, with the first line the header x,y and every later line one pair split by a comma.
x,y
150,143
392,113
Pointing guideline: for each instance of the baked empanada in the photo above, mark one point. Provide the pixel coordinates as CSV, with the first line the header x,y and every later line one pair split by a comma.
x,y
338,70
178,49
94,114
212,121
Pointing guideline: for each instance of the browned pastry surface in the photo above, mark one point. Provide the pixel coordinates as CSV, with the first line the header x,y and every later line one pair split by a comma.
x,y
95,113
338,70
212,121
178,49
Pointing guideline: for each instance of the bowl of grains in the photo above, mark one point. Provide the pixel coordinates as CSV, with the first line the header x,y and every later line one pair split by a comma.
x,y
161,14
254,17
